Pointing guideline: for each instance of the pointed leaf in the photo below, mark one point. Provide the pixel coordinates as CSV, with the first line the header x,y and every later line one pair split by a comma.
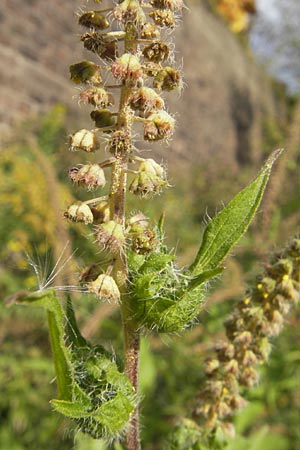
x,y
230,224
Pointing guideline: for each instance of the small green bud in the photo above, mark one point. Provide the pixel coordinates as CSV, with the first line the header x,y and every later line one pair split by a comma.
x,y
83,140
89,175
146,100
157,51
103,118
110,234
105,288
159,125
127,68
150,179
97,96
79,212
85,72
167,79
163,18
94,19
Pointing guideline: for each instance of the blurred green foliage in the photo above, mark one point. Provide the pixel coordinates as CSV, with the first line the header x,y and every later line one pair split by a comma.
x,y
171,367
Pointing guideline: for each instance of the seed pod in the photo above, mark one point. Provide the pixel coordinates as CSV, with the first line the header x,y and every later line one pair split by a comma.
x,y
79,212
146,100
101,212
159,125
85,72
83,140
127,68
167,79
97,96
103,118
137,223
163,18
89,175
157,51
111,236
105,288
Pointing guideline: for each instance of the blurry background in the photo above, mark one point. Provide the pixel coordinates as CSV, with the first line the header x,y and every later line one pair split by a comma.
x,y
241,101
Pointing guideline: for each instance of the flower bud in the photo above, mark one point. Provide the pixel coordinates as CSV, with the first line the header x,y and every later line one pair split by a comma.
x,y
173,5
79,212
149,31
103,118
85,72
150,179
157,51
105,288
163,18
89,175
159,125
96,96
249,358
225,351
110,235
248,377
147,100
103,46
137,223
294,248
84,140
130,11
120,142
211,365
144,242
127,68
167,79
101,212
94,19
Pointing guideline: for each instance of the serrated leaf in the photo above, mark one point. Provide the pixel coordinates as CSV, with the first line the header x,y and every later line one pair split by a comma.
x,y
227,227
75,410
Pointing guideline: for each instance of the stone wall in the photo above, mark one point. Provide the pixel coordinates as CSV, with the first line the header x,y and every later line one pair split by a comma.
x,y
219,113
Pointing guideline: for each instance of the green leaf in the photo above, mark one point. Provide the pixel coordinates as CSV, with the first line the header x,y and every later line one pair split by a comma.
x,y
227,227
75,410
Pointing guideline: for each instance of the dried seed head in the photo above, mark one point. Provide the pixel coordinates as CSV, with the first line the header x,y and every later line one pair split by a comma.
x,y
157,51
120,142
85,72
248,377
89,175
103,118
79,212
167,79
106,48
211,366
83,140
159,125
127,68
163,18
173,5
150,179
94,19
111,236
105,288
97,96
146,99
149,31
130,11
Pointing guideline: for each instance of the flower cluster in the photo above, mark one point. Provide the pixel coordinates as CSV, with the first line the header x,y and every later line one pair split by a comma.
x,y
135,59
255,320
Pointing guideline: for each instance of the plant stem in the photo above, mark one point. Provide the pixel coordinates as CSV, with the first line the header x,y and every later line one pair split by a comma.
x,y
117,210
